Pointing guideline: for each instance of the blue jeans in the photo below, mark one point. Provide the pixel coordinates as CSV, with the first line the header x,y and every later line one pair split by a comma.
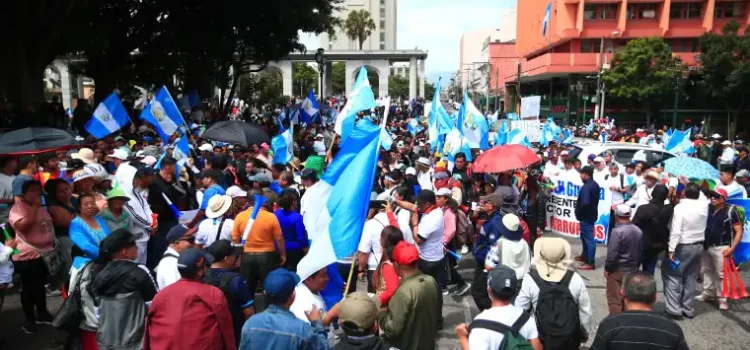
x,y
649,263
588,244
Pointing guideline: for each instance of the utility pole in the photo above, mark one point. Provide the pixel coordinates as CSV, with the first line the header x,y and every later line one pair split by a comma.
x,y
497,89
599,79
518,88
489,79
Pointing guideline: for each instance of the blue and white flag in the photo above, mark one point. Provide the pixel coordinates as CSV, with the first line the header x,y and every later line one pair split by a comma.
x,y
603,137
344,192
512,116
109,117
501,138
283,147
590,127
309,108
386,140
472,125
455,143
181,151
518,137
492,118
163,114
679,143
361,98
439,122
567,137
547,15
414,126
550,132
742,252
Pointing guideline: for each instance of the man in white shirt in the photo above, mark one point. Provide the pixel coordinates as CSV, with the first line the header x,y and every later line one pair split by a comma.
x,y
318,146
307,297
424,174
216,226
681,266
727,154
617,183
180,238
642,194
734,190
7,169
551,168
502,287
370,251
428,234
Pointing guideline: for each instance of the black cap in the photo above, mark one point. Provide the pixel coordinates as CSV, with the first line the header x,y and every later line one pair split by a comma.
x,y
190,260
309,174
503,281
426,196
118,239
588,170
222,249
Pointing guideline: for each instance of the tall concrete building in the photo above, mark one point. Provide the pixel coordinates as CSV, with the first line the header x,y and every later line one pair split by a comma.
x,y
382,12
471,58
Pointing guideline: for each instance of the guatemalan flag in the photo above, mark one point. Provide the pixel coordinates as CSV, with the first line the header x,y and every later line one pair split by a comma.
x,y
414,127
547,15
468,122
283,147
680,143
309,108
501,138
742,252
455,143
360,99
163,114
109,117
518,137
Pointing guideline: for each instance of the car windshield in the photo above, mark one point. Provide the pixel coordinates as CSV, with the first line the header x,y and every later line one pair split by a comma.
x,y
574,152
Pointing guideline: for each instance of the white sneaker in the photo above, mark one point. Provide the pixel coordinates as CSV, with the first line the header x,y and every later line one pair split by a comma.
x,y
704,297
723,305
464,250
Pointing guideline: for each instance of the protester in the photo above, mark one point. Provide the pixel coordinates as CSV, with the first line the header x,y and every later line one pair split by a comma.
x,y
292,228
587,212
122,288
723,234
27,167
62,207
164,187
428,233
680,267
511,250
216,226
653,219
180,238
489,328
452,214
536,202
144,224
643,193
568,324
742,177
307,297
638,321
114,215
385,280
181,309
358,318
88,230
370,251
623,256
279,328
489,233
728,184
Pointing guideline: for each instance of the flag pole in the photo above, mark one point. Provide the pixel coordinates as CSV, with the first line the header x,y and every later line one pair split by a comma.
x,y
351,272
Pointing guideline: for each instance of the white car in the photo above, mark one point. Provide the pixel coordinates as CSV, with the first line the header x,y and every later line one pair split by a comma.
x,y
622,152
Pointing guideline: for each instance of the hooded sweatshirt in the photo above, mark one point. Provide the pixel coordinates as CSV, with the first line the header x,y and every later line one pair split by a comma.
x,y
653,219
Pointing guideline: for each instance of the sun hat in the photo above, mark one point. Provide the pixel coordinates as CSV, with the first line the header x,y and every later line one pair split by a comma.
x,y
117,193
493,198
206,147
358,311
726,143
598,160
119,154
715,136
511,228
84,154
653,174
552,258
218,205
742,173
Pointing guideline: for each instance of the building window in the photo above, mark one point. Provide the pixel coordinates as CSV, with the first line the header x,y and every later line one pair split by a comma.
x,y
641,11
685,10
382,22
590,45
729,9
600,11
382,2
562,48
684,45
382,46
382,36
382,13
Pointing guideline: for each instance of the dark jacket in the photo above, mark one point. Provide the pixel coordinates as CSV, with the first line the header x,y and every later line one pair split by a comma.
x,y
372,342
488,236
587,205
536,211
624,249
175,192
653,220
743,164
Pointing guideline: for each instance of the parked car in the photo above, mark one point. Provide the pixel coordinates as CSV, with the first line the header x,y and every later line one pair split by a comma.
x,y
622,152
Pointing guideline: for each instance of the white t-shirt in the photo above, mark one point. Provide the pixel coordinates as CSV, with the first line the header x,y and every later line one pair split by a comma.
x,y
304,301
600,174
167,272
208,229
485,339
733,189
370,241
320,148
6,192
430,229
617,197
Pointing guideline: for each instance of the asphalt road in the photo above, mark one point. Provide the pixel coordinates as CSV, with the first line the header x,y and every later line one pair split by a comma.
x,y
711,329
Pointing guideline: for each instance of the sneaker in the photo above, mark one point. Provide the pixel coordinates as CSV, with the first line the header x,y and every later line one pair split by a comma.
x,y
445,291
704,298
29,328
723,305
586,267
464,289
580,259
44,318
672,317
464,249
688,316
53,293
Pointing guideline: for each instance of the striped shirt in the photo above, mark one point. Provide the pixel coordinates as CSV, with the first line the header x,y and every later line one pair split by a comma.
x,y
642,330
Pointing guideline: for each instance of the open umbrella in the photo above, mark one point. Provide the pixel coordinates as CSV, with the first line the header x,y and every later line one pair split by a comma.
x,y
236,132
36,140
689,167
505,158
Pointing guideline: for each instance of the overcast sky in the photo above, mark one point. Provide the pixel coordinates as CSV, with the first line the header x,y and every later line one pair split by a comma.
x,y
437,25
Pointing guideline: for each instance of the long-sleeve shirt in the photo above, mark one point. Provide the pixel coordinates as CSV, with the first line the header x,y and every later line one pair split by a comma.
x,y
624,248
385,282
86,238
688,223
641,196
587,205
449,230
410,322
293,229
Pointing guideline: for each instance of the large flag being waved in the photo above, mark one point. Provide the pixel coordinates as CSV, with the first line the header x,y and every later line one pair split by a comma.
x,y
466,124
742,252
109,117
386,140
547,15
283,147
414,126
550,132
361,98
163,114
501,138
309,108
518,137
680,143
455,143
345,193
439,122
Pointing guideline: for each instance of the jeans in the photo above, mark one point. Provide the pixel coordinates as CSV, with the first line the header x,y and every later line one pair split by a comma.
x,y
588,244
33,296
435,269
479,289
648,264
255,267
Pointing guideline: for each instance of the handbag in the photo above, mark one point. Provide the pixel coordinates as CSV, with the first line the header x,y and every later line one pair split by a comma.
x,y
70,315
52,259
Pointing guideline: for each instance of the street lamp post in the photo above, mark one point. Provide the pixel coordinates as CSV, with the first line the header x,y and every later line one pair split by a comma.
x,y
320,58
679,80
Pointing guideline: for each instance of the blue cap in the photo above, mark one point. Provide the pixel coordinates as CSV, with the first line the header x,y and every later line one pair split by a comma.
x,y
190,259
176,233
280,284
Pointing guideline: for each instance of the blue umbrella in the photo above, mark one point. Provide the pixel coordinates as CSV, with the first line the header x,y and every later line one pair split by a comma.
x,y
692,168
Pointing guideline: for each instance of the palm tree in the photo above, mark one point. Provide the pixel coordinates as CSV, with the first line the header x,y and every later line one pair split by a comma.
x,y
359,26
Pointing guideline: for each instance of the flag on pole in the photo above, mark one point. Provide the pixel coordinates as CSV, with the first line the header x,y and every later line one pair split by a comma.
x,y
414,127
309,108
361,98
518,137
283,147
386,140
547,15
163,114
680,143
108,117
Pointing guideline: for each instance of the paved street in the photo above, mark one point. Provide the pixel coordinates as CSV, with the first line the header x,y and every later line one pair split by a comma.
x,y
710,329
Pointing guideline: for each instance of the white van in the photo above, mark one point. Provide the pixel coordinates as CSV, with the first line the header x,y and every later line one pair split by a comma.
x,y
622,152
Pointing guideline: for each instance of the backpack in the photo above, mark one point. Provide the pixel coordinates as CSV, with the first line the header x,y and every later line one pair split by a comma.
x,y
464,227
223,283
557,314
512,340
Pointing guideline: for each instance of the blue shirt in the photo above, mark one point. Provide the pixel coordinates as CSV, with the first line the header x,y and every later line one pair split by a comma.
x,y
293,229
278,328
587,205
214,190
18,182
237,287
86,238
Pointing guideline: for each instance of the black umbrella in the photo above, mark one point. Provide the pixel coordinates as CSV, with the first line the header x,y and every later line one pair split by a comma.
x,y
237,132
36,140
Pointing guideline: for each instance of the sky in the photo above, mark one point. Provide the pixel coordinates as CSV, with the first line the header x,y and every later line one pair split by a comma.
x,y
437,25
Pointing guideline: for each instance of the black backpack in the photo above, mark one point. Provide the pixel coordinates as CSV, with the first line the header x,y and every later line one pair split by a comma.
x,y
223,283
557,314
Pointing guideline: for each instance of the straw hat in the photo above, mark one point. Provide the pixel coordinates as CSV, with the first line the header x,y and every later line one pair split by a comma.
x,y
552,258
84,154
217,206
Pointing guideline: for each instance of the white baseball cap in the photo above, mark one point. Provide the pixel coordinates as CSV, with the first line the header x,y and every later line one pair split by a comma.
x,y
410,171
444,192
206,147
715,136
119,154
622,210
598,160
726,143
236,192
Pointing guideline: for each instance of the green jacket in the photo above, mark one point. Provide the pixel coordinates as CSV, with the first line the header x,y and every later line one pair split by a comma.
x,y
410,323
124,221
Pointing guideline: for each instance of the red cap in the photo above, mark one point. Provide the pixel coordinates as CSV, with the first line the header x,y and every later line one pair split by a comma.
x,y
722,192
405,253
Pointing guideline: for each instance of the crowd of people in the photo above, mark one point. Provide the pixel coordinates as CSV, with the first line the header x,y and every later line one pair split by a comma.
x,y
105,225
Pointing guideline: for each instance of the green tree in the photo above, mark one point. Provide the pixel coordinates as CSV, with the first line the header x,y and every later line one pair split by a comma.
x,y
398,86
644,71
359,26
373,77
725,61
429,91
269,87
338,76
304,78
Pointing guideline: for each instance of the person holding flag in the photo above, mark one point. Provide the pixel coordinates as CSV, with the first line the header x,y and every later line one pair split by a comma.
x,y
166,197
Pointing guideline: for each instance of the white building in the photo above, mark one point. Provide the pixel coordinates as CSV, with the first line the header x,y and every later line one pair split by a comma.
x,y
382,12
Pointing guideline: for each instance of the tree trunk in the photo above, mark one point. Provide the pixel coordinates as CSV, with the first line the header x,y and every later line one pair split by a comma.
x,y
232,90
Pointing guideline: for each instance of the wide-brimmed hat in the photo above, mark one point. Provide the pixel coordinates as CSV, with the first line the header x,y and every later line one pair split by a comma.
x,y
117,193
552,258
218,205
84,154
